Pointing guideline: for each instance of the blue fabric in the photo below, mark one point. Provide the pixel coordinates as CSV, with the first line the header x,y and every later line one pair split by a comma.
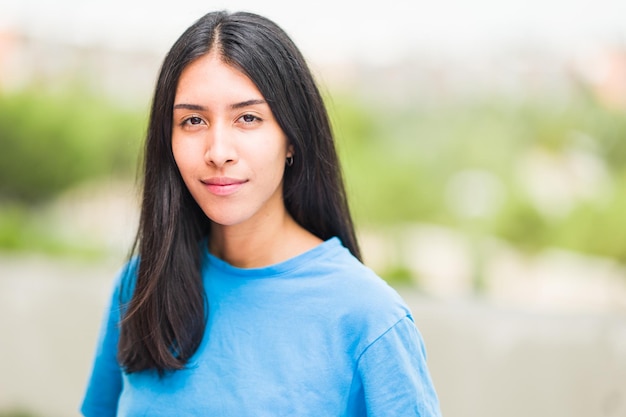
x,y
317,335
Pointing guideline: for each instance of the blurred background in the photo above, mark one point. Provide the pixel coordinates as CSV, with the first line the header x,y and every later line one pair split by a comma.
x,y
484,146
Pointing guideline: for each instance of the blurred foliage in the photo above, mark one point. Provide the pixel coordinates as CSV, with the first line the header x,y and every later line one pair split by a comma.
x,y
483,164
26,228
401,162
400,275
52,141
16,413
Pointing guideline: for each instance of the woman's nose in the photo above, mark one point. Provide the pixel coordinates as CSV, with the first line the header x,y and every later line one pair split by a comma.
x,y
220,148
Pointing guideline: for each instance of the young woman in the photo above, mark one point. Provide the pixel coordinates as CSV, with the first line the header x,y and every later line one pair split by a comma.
x,y
247,296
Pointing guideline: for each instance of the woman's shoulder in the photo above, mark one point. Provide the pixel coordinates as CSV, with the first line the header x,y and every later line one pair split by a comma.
x,y
359,303
357,290
342,266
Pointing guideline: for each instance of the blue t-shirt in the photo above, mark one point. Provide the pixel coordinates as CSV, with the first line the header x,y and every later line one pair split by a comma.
x,y
317,335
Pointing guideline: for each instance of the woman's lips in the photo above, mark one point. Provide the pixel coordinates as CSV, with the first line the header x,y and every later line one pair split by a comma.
x,y
223,186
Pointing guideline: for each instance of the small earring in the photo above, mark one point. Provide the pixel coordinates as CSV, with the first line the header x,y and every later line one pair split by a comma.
x,y
289,161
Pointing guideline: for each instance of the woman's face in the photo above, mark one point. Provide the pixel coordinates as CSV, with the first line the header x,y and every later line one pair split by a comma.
x,y
227,144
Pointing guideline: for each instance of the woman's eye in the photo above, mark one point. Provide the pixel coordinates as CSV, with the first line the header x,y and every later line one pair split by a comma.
x,y
249,118
194,120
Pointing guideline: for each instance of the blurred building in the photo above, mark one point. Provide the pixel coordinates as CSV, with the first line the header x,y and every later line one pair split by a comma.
x,y
26,60
417,75
604,71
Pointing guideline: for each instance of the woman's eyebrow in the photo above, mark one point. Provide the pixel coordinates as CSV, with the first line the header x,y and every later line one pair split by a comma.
x,y
186,106
247,103
235,106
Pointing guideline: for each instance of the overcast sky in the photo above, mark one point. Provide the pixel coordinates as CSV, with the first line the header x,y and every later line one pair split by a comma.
x,y
331,29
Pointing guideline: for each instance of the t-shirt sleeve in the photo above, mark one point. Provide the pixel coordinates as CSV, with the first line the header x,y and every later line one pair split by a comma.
x,y
105,383
394,375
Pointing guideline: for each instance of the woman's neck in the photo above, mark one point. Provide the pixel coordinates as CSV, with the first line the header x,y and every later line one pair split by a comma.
x,y
255,246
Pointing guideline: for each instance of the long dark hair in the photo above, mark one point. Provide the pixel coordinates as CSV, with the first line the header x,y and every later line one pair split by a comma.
x,y
164,321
